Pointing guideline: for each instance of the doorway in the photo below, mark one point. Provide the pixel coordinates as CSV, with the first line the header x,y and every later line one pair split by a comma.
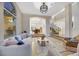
x,y
39,24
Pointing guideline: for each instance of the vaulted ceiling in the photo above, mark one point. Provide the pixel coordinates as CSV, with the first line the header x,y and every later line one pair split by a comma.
x,y
30,8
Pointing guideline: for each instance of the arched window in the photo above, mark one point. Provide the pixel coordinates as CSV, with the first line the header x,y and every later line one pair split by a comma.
x,y
10,7
9,19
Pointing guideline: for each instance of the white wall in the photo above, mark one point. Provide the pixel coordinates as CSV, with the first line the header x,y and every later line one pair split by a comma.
x,y
61,24
26,21
76,20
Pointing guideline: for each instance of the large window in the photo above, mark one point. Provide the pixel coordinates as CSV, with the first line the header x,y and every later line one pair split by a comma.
x,y
9,19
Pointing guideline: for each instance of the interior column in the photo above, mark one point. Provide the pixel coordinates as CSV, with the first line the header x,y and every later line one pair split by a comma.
x,y
48,26
68,21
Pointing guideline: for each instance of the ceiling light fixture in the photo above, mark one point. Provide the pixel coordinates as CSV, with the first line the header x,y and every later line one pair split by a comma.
x,y
43,8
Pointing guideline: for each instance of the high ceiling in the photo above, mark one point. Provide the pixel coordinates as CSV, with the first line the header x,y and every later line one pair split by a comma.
x,y
30,8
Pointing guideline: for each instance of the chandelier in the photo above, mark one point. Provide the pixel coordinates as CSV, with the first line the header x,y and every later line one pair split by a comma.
x,y
43,8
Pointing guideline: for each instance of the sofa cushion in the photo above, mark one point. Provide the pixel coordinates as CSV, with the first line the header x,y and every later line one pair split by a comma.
x,y
19,37
9,41
15,50
27,40
20,42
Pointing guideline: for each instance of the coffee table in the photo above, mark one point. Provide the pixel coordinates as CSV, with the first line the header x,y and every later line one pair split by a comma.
x,y
38,50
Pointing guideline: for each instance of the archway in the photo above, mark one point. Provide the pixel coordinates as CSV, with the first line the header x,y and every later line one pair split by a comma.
x,y
38,23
